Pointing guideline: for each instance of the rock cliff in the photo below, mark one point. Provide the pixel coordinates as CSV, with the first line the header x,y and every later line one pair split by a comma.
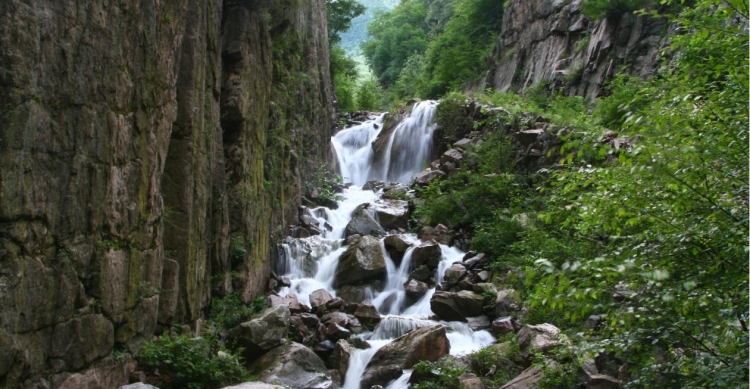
x,y
150,153
551,42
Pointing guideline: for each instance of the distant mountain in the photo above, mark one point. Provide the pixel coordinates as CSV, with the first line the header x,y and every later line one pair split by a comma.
x,y
351,39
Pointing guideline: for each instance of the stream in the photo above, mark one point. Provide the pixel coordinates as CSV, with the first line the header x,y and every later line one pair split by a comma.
x,y
408,151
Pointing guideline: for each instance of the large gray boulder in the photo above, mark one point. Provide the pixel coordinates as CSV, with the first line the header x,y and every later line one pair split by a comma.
x,y
339,360
292,365
428,253
392,214
531,377
421,344
396,247
507,302
534,339
141,385
362,261
363,224
456,306
262,333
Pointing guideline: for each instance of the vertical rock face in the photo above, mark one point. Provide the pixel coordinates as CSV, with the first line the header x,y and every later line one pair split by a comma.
x,y
551,41
149,150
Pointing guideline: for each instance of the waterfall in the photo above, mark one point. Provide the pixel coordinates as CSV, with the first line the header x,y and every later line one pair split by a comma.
x,y
311,263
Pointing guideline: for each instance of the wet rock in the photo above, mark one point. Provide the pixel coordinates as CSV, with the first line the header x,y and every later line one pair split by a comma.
x,y
506,302
363,224
415,290
392,214
324,349
361,262
339,360
428,253
396,247
264,332
451,306
319,297
300,332
292,365
421,344
478,323
340,318
539,338
455,273
475,261
336,303
367,314
421,273
356,293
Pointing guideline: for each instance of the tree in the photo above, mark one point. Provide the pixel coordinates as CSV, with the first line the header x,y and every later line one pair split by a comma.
x,y
340,14
669,212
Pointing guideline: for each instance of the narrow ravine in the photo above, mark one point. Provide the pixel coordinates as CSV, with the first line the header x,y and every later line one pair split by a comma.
x,y
311,263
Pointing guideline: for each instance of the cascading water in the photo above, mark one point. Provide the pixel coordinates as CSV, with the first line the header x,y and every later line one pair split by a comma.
x,y
311,262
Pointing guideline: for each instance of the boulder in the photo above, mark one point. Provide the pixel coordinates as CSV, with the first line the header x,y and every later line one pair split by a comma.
x,y
362,261
454,156
451,306
422,273
367,314
253,385
141,385
324,349
428,253
455,273
478,323
397,192
339,360
422,344
363,224
470,381
485,288
506,302
415,290
528,379
319,297
301,332
391,214
264,332
292,365
396,247
290,301
539,338
504,325
353,294
426,177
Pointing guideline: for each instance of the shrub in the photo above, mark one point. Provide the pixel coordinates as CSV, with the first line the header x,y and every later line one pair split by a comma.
x,y
198,362
229,311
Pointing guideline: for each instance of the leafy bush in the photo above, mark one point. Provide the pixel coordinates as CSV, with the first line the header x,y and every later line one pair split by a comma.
x,y
598,9
186,361
498,362
447,370
229,311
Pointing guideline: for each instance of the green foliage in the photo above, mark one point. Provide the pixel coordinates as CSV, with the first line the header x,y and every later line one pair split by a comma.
x,y
668,212
498,363
598,9
325,182
369,95
229,311
194,362
447,370
450,115
396,35
340,14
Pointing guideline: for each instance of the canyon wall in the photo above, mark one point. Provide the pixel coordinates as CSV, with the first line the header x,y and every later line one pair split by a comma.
x,y
151,154
552,44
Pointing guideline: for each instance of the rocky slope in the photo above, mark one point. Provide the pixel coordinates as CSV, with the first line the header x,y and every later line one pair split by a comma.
x,y
150,152
552,42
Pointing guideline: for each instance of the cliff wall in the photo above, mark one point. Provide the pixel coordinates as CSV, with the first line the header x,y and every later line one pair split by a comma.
x,y
550,42
150,154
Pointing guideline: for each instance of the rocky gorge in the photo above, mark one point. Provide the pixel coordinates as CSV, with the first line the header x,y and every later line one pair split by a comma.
x,y
161,158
